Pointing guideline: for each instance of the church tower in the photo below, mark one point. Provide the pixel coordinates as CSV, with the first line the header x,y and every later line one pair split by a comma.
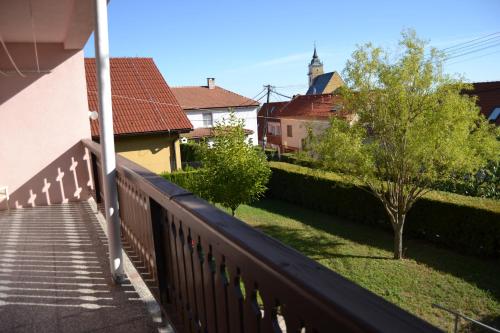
x,y
315,67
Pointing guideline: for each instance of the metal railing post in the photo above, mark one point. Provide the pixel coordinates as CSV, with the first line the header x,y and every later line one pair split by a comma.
x,y
458,315
108,162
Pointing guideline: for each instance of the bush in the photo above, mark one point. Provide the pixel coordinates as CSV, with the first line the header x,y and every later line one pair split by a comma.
x,y
185,179
294,158
485,183
271,154
468,225
190,152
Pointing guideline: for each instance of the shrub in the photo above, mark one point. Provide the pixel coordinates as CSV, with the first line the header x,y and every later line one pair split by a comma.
x,y
299,159
185,179
271,154
233,172
485,183
190,152
468,225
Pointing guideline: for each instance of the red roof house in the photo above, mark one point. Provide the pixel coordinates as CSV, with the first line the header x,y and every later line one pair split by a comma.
x,y
285,124
142,100
488,99
147,118
206,105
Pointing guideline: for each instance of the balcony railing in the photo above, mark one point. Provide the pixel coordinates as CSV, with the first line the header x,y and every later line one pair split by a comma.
x,y
211,272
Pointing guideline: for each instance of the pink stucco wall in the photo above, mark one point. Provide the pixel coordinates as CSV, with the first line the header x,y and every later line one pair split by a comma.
x,y
43,117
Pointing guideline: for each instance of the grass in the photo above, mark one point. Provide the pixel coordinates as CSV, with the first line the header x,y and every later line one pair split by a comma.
x,y
363,254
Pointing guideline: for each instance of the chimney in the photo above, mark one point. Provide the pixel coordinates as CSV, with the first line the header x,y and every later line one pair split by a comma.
x,y
211,82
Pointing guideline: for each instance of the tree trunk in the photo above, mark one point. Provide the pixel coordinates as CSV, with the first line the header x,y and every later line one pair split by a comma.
x,y
398,241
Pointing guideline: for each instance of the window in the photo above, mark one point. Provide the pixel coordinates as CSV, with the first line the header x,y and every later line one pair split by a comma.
x,y
494,114
273,129
207,120
289,131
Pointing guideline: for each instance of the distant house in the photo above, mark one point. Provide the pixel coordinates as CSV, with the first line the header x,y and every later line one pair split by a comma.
x,y
320,82
286,125
488,94
206,105
147,119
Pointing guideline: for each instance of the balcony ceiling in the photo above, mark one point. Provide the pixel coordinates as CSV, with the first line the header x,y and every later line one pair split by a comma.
x,y
54,21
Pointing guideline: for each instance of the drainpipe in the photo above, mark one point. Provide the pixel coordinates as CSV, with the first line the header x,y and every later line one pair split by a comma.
x,y
108,162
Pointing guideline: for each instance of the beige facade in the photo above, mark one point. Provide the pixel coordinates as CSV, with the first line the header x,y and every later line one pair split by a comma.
x,y
294,131
158,153
334,83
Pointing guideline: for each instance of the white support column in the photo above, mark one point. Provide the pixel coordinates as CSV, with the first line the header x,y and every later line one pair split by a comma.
x,y
108,162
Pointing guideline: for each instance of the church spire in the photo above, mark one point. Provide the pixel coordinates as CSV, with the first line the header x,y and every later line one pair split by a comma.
x,y
315,59
315,67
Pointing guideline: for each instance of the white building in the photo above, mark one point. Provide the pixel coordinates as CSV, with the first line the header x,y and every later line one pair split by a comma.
x,y
207,105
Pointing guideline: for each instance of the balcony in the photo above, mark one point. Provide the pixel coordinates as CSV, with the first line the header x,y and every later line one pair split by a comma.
x,y
54,275
208,271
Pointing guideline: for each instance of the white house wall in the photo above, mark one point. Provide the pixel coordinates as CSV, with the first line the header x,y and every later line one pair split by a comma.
x,y
248,114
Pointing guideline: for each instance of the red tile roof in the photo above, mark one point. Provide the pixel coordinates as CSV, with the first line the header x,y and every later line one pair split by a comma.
x,y
303,107
488,94
142,100
205,98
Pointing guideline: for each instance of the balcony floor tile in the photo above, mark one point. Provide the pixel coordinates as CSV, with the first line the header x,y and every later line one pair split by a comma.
x,y
55,277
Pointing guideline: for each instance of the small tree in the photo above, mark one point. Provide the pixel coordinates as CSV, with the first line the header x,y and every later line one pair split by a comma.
x,y
414,127
233,171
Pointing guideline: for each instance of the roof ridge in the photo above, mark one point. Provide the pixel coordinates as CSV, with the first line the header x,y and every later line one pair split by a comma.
x,y
232,92
114,58
216,87
180,87
480,82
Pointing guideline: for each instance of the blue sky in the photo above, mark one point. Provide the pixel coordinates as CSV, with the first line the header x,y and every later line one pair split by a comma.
x,y
246,44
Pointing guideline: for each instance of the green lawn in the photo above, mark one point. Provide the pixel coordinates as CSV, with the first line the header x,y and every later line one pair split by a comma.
x,y
363,254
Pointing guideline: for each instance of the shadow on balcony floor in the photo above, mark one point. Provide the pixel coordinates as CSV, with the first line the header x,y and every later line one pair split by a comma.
x,y
54,275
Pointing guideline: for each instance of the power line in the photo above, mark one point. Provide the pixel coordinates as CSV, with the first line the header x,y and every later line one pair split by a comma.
x,y
470,41
474,45
279,94
161,103
292,86
472,51
473,58
249,102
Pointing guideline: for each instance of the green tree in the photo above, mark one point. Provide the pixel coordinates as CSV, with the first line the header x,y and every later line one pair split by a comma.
x,y
232,172
414,127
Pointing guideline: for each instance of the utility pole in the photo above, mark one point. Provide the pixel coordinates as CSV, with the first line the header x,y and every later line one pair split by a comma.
x,y
264,131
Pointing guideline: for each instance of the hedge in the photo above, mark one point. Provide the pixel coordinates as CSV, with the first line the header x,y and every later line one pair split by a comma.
x,y
190,152
292,158
184,179
465,224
